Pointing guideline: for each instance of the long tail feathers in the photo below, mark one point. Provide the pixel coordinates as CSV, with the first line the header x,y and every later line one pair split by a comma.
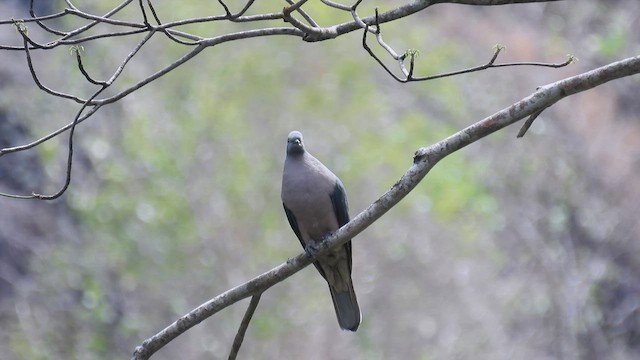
x,y
347,309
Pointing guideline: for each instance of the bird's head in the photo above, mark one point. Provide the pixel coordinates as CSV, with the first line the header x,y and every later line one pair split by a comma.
x,y
294,143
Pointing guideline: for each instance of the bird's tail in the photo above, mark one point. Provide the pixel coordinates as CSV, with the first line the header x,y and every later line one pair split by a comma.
x,y
346,305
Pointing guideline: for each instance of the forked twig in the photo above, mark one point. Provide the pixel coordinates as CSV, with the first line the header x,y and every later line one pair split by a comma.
x,y
77,50
411,54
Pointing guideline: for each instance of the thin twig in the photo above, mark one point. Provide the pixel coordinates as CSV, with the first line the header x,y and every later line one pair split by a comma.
x,y
201,46
237,341
383,44
528,122
87,102
84,72
105,20
309,31
336,5
409,73
67,180
166,31
50,136
109,14
70,5
34,75
35,19
293,7
304,14
145,21
235,17
32,13
490,64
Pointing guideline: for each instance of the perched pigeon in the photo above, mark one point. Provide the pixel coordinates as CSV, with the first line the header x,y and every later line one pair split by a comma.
x,y
316,205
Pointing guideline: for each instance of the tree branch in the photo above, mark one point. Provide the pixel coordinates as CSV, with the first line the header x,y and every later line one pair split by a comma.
x,y
237,342
424,160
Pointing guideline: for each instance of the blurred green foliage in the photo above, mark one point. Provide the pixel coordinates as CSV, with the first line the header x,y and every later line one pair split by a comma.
x,y
613,42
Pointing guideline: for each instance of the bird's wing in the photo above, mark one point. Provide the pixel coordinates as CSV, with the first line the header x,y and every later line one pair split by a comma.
x,y
341,209
340,205
294,225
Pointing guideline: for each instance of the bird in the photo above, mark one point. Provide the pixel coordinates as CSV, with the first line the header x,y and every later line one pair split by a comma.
x,y
315,203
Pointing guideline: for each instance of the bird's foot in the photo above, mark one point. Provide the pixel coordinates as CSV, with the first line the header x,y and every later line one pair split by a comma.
x,y
314,247
312,250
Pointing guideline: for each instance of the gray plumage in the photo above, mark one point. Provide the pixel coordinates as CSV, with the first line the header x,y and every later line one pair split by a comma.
x,y
316,205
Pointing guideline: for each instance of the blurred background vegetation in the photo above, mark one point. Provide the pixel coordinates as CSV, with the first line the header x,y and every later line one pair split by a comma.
x,y
524,249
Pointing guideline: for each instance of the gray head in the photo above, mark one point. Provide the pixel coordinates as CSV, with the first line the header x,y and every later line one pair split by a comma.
x,y
294,143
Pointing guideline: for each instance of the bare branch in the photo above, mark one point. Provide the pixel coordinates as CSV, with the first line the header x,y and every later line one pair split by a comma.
x,y
201,46
51,135
67,181
41,24
237,341
77,50
303,14
168,32
32,70
235,16
338,6
308,30
105,20
82,29
424,160
490,64
412,54
70,4
294,7
528,122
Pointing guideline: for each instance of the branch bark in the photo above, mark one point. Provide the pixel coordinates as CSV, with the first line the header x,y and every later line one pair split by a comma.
x,y
424,160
